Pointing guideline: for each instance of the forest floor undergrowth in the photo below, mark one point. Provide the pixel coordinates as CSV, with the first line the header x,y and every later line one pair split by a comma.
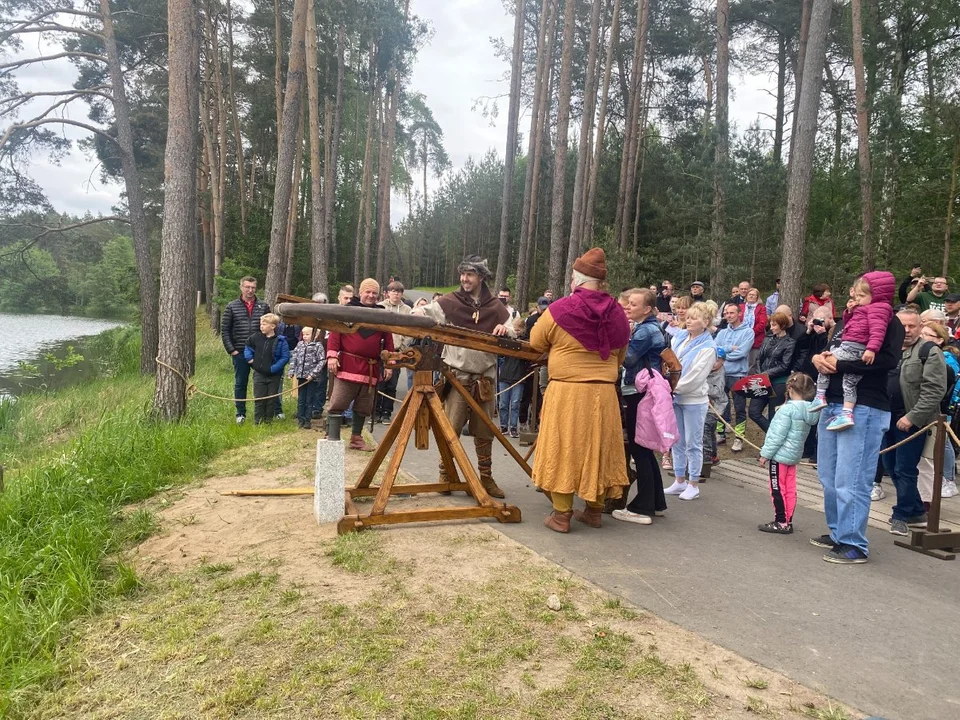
x,y
248,608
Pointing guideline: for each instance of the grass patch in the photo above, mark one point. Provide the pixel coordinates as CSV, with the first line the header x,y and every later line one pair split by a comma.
x,y
359,552
94,449
756,683
476,650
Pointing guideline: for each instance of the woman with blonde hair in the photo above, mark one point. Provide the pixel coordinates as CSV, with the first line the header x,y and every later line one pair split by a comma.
x,y
697,354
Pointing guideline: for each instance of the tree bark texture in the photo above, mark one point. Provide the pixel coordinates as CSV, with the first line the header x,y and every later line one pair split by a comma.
x,y
632,130
558,239
718,268
802,155
948,229
131,179
509,162
584,154
539,109
587,232
318,248
178,245
331,157
287,151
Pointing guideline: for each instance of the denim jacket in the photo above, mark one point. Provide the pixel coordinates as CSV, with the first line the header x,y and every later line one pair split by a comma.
x,y
646,344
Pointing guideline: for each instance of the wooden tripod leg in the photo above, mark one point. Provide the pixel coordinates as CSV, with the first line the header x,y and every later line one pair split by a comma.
x,y
400,447
449,466
448,436
530,451
370,471
484,418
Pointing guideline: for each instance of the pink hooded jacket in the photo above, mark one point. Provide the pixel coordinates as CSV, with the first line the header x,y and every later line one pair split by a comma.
x,y
868,323
656,424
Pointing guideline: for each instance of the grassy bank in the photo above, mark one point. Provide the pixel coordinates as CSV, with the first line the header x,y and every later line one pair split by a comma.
x,y
75,459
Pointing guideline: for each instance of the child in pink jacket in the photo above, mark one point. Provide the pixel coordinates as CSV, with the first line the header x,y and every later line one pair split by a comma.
x,y
861,337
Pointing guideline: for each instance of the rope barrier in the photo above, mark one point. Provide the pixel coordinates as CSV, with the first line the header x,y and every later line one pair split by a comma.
x,y
506,389
192,388
885,450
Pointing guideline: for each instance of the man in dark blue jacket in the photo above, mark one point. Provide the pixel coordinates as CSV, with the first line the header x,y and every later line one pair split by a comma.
x,y
241,319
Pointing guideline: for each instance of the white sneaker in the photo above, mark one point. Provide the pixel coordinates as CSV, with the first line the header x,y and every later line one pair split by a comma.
x,y
676,489
632,517
241,419
691,493
949,489
281,416
878,494
737,445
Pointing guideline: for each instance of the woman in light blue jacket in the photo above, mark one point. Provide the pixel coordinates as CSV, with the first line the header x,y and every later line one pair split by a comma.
x,y
783,449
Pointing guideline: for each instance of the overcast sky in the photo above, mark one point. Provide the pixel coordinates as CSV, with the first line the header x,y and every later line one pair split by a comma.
x,y
456,69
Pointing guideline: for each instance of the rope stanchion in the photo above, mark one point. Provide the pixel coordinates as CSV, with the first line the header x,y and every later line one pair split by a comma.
x,y
192,388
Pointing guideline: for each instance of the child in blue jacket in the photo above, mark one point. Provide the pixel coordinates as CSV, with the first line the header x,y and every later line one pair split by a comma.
x,y
268,353
783,449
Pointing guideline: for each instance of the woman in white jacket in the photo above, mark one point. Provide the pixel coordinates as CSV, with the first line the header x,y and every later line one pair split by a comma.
x,y
697,354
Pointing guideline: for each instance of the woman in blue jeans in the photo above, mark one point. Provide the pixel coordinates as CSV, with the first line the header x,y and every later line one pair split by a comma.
x,y
697,354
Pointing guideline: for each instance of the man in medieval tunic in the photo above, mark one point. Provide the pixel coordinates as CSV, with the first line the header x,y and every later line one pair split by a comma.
x,y
473,306
355,361
580,445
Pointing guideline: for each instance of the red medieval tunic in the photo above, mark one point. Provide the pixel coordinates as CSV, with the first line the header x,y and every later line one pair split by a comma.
x,y
359,354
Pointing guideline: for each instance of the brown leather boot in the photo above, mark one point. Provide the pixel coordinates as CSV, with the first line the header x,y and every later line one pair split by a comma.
x,y
615,504
559,521
485,467
589,516
493,490
358,443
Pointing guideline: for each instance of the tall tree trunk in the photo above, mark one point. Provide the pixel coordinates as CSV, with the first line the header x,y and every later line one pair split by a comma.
x,y
948,230
558,241
587,232
388,138
801,156
318,248
131,180
538,111
289,148
629,158
221,118
509,163
363,217
584,154
371,202
278,66
294,206
718,267
806,9
891,169
642,153
780,116
178,245
331,156
237,137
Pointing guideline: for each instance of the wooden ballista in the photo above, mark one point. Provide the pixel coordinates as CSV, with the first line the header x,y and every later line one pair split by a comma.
x,y
420,414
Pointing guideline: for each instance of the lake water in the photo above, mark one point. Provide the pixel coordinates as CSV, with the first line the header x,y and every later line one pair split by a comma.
x,y
27,338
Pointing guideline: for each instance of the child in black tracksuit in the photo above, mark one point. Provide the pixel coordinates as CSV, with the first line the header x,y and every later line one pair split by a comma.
x,y
268,353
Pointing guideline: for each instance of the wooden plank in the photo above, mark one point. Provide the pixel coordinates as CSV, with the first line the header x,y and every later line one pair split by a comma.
x,y
446,457
421,438
411,489
503,513
269,492
481,413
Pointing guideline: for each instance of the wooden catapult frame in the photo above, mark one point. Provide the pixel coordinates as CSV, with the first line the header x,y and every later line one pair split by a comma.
x,y
420,415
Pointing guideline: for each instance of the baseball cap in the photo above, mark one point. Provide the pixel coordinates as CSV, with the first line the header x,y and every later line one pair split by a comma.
x,y
543,302
696,283
952,297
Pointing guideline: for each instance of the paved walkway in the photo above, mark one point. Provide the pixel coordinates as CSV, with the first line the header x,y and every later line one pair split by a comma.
x,y
881,637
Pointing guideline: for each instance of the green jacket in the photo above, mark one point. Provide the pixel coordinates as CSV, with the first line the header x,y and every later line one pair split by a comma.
x,y
922,383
